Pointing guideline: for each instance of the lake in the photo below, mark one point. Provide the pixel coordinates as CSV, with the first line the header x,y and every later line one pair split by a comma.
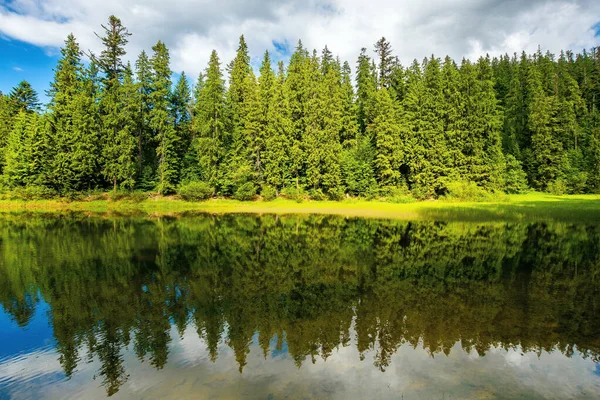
x,y
297,307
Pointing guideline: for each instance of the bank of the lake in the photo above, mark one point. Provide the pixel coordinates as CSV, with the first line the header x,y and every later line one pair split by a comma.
x,y
532,206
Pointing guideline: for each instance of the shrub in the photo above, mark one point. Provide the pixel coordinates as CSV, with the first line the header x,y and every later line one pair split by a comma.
x,y
247,191
293,193
514,177
467,191
195,191
268,193
557,187
33,192
578,182
118,195
317,194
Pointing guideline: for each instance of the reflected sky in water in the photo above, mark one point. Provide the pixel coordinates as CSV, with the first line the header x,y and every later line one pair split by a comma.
x,y
297,307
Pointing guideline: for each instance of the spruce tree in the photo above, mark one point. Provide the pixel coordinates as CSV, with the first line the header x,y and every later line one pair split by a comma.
x,y
385,62
366,88
279,134
348,123
6,122
386,134
547,157
296,92
26,151
118,126
161,121
146,151
24,98
209,124
74,123
181,110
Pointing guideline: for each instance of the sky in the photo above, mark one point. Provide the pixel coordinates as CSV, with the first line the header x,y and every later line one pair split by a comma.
x,y
32,31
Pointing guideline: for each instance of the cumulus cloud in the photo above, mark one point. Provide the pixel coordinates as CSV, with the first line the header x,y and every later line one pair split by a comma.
x,y
192,28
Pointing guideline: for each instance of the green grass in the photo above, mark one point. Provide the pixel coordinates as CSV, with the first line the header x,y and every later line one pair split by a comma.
x,y
533,206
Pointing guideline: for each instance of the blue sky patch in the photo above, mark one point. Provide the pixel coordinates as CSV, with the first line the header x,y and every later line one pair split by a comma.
x,y
596,29
23,61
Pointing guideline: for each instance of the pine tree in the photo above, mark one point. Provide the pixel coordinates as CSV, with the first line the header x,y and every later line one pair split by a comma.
x,y
74,123
181,105
279,131
209,124
296,92
386,132
547,157
366,88
146,152
24,98
118,126
349,124
321,139
6,123
383,48
161,122
483,147
25,152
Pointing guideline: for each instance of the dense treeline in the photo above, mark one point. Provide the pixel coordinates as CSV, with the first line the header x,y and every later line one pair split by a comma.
x,y
312,283
501,124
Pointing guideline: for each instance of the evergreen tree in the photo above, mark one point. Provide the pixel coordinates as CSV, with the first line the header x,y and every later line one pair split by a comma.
x,y
25,153
547,157
349,124
118,126
24,98
386,60
161,121
145,149
74,123
209,124
278,132
296,92
366,88
6,122
386,132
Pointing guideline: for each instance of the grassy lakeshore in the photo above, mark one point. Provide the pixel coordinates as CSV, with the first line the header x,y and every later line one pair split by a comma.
x,y
532,206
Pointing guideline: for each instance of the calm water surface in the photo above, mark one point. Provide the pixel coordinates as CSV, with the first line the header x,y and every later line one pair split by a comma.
x,y
297,307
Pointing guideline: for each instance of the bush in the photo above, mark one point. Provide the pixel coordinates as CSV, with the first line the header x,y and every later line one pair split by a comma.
x,y
268,193
578,182
293,193
514,177
118,195
557,187
195,191
33,192
317,194
247,191
467,191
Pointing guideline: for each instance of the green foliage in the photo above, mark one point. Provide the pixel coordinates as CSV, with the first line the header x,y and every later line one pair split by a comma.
x,y
268,193
558,187
195,191
514,177
485,122
32,192
245,192
161,122
466,191
294,193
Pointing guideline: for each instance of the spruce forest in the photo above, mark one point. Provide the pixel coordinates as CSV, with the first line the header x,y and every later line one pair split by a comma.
x,y
316,126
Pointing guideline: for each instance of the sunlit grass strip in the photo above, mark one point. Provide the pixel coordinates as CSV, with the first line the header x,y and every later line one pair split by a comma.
x,y
536,206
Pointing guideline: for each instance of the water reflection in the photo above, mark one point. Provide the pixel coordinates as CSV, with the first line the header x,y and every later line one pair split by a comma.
x,y
300,291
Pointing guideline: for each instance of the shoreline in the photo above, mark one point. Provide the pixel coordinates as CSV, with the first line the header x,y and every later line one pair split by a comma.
x,y
532,206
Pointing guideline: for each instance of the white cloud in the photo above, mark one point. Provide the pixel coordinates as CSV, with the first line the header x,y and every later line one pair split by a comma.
x,y
17,69
191,29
